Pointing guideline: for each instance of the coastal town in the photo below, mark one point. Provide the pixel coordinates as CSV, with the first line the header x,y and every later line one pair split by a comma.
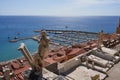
x,y
73,55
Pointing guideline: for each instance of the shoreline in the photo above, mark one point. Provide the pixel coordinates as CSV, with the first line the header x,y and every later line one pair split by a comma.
x,y
4,62
22,57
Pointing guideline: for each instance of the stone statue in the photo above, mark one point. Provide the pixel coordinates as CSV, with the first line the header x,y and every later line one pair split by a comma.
x,y
118,28
43,48
100,39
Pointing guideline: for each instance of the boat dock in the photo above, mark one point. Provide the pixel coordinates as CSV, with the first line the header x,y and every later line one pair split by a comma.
x,y
19,39
66,31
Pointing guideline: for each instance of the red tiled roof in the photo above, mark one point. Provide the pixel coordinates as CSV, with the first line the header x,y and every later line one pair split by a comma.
x,y
1,73
109,36
26,67
15,65
60,57
81,51
20,77
73,53
93,45
49,60
68,50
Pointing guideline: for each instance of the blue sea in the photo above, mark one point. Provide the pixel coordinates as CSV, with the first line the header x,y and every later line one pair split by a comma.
x,y
22,26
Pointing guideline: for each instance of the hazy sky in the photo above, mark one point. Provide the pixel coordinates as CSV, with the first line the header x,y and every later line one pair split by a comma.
x,y
60,7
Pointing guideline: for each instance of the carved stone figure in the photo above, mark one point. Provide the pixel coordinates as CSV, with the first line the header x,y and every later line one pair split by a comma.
x,y
118,28
100,36
44,45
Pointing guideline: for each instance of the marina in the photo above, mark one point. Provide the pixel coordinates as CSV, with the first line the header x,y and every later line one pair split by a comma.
x,y
65,37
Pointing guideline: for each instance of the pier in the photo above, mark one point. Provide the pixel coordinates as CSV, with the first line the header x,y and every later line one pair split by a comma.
x,y
62,31
15,40
25,38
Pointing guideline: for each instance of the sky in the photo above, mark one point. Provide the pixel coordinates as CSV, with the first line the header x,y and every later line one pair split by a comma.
x,y
60,7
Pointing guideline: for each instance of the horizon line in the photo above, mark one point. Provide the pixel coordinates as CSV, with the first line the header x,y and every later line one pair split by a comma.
x,y
61,15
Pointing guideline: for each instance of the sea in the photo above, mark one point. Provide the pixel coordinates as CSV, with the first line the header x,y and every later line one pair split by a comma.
x,y
24,26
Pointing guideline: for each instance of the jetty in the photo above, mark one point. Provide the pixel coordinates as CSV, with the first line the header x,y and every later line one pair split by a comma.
x,y
19,39
25,38
62,31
